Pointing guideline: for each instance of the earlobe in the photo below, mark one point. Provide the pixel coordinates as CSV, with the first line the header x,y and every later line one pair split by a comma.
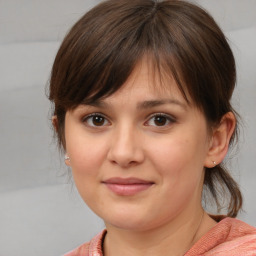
x,y
220,140
55,122
67,160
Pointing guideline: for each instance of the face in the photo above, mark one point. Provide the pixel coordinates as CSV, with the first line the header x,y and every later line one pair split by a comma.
x,y
138,156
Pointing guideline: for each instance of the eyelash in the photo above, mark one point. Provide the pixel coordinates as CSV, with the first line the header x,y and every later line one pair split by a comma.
x,y
86,118
169,119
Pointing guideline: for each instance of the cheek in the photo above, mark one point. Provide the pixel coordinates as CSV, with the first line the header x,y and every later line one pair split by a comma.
x,y
86,154
181,172
85,159
174,153
179,162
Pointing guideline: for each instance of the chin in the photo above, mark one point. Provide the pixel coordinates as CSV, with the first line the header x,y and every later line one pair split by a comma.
x,y
126,221
131,226
131,222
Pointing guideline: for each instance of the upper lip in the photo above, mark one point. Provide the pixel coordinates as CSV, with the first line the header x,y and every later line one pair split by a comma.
x,y
126,181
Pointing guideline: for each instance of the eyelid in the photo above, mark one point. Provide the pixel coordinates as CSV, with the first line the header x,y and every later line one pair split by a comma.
x,y
86,117
169,117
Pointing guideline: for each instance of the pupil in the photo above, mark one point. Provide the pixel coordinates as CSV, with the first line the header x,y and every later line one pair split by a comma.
x,y
98,120
160,120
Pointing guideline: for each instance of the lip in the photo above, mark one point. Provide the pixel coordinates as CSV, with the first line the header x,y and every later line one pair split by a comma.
x,y
127,186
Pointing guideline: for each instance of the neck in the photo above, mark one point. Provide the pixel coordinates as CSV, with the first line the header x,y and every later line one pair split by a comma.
x,y
175,238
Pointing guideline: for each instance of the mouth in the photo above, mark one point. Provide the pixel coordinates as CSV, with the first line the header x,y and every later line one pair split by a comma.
x,y
127,186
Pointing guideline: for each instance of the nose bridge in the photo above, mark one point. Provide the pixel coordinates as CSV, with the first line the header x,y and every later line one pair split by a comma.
x,y
126,148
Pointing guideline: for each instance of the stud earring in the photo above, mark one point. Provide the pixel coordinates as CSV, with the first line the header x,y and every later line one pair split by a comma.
x,y
67,158
214,163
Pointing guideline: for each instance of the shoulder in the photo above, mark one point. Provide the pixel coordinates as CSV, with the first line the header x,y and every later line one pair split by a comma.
x,y
94,247
82,250
229,237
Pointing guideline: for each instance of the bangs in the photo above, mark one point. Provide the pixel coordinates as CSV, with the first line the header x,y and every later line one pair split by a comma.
x,y
103,48
161,71
96,58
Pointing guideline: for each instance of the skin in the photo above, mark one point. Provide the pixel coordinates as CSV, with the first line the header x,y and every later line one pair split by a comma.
x,y
157,137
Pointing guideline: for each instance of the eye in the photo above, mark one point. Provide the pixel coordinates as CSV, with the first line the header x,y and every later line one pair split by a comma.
x,y
96,120
160,120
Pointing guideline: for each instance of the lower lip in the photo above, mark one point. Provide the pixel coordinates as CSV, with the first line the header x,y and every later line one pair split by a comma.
x,y
128,189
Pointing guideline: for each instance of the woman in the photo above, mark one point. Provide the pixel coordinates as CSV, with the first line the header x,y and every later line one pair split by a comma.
x,y
141,93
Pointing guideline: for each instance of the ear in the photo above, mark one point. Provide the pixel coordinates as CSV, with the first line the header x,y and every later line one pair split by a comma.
x,y
55,122
67,160
220,140
55,125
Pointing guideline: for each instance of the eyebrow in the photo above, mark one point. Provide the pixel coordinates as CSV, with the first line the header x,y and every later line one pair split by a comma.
x,y
141,105
155,103
96,103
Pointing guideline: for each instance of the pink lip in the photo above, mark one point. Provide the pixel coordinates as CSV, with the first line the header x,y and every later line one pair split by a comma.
x,y
128,186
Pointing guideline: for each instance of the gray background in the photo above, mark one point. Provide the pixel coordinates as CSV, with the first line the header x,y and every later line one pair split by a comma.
x,y
40,212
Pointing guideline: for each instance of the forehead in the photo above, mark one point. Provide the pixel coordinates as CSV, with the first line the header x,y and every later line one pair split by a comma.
x,y
148,81
143,90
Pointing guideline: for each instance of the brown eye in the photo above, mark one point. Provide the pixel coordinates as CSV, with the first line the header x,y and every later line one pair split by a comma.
x,y
160,120
96,120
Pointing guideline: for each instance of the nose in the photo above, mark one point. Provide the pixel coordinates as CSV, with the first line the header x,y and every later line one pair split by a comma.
x,y
126,147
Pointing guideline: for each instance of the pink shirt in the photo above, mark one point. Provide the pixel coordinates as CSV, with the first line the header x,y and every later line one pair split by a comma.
x,y
230,237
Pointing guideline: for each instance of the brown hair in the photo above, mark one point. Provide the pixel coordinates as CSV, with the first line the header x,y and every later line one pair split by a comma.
x,y
102,48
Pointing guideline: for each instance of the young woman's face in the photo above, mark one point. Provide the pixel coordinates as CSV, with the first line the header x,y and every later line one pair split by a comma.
x,y
138,156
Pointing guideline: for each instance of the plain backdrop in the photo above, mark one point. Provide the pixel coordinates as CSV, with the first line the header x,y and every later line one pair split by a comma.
x,y
40,211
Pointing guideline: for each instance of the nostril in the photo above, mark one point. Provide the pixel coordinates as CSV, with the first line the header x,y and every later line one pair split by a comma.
x,y
125,159
125,149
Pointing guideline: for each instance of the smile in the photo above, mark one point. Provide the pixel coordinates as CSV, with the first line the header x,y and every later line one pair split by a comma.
x,y
127,187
